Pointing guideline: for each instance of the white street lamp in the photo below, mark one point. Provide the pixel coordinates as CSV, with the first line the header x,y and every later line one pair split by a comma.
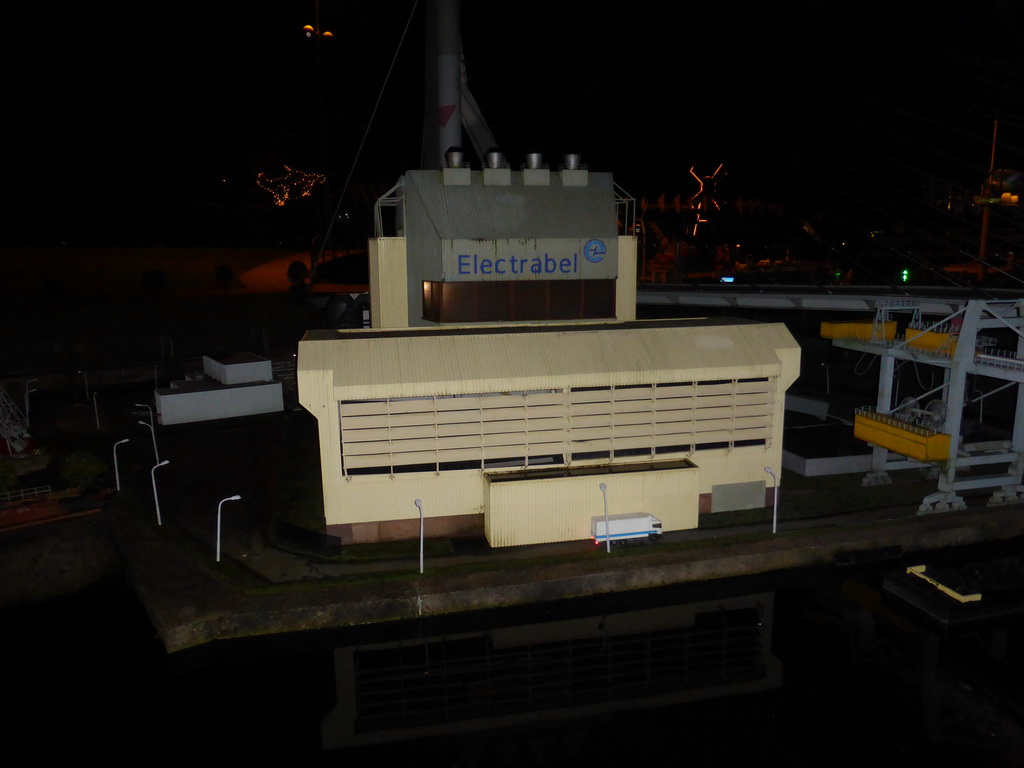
x,y
156,499
117,475
149,409
419,506
607,528
27,391
156,453
775,504
236,497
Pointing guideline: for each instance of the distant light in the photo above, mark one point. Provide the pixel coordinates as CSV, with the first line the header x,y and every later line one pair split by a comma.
x,y
328,33
292,185
727,279
308,29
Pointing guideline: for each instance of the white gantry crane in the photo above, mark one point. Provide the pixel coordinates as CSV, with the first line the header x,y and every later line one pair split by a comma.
x,y
983,340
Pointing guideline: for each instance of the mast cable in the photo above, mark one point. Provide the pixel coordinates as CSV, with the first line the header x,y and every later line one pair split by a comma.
x,y
362,142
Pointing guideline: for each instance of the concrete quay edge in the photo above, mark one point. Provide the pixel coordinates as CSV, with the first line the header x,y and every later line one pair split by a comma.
x,y
192,603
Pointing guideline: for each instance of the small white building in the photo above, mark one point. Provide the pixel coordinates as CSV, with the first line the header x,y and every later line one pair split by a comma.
x,y
239,384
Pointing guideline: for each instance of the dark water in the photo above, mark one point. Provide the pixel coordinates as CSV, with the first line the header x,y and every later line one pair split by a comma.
x,y
87,679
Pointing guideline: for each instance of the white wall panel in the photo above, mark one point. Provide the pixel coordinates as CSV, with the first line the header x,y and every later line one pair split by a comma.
x,y
186,405
536,511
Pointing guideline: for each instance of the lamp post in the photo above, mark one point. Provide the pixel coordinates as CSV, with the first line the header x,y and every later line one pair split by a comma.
x,y
156,499
117,475
149,410
236,497
419,506
27,391
320,36
775,503
607,530
156,453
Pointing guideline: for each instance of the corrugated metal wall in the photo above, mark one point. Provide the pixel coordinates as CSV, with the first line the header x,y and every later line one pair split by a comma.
x,y
367,365
438,211
383,498
360,365
592,424
389,303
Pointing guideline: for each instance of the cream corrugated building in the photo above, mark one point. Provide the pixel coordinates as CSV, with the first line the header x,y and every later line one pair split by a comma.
x,y
508,428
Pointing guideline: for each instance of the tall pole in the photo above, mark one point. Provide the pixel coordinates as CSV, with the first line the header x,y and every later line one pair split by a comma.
x,y
236,497
27,392
986,209
156,498
607,529
775,504
117,475
442,120
419,505
320,35
149,410
156,453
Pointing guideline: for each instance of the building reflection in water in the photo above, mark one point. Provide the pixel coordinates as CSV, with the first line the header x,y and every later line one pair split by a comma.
x,y
537,673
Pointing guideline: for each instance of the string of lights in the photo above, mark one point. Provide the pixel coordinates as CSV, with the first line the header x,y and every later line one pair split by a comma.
x,y
293,184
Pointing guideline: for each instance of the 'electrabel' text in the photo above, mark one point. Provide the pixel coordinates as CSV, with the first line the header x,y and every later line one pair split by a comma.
x,y
537,265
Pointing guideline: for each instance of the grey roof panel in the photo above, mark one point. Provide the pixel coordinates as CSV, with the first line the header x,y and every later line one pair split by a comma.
x,y
492,212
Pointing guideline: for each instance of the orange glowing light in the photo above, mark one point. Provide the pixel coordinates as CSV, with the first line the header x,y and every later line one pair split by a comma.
x,y
293,184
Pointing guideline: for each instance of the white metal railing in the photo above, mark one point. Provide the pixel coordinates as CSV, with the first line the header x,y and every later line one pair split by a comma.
x,y
625,208
1001,358
393,198
937,328
24,493
909,423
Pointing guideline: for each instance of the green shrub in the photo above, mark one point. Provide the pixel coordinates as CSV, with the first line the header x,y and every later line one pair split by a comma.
x,y
8,476
81,469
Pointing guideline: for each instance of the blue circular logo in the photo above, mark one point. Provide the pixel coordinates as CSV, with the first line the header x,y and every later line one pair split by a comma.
x,y
594,251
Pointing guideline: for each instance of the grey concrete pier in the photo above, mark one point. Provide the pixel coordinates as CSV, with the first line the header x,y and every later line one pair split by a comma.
x,y
192,600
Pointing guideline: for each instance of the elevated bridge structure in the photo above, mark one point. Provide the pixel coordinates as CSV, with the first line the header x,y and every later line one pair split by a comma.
x,y
831,298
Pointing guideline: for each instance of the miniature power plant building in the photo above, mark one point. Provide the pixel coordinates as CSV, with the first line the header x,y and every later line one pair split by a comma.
x,y
505,377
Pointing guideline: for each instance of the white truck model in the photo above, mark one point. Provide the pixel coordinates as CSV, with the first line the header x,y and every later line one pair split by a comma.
x,y
625,528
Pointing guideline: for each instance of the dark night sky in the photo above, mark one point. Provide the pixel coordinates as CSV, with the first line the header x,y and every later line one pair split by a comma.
x,y
123,127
